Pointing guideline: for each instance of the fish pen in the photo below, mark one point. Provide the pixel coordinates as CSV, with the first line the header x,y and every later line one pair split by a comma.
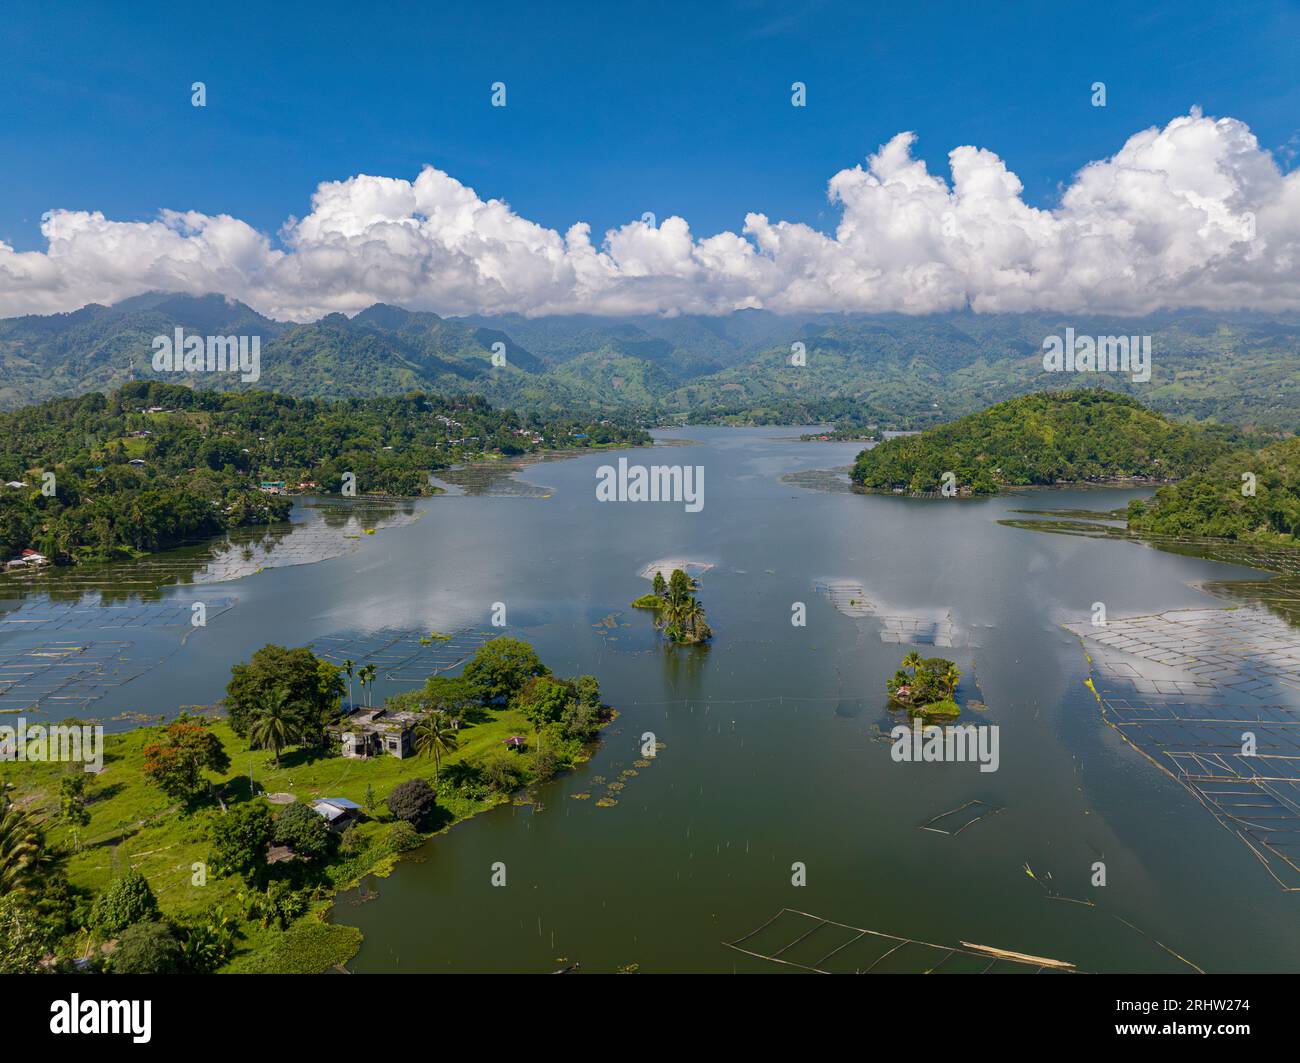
x,y
956,820
1209,697
404,656
823,946
66,674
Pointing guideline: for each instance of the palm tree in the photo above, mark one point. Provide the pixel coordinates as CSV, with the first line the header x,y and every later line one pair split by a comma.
x,y
367,677
20,848
913,660
670,616
348,665
273,726
433,738
950,676
693,620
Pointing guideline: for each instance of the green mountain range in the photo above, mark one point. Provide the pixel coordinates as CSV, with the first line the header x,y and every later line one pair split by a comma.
x,y
891,370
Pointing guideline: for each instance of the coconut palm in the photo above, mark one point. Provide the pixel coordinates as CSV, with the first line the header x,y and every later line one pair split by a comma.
x,y
950,676
433,738
694,623
913,660
367,677
273,725
21,843
348,667
670,616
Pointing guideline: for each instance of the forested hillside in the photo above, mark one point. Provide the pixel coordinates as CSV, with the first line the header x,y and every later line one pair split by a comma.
x,y
892,370
1248,495
153,465
1046,438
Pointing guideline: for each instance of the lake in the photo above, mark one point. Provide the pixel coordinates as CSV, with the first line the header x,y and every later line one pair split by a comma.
x,y
772,743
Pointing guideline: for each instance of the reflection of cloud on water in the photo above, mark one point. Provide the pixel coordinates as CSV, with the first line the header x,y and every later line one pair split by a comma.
x,y
920,627
668,564
1212,697
1197,651
848,596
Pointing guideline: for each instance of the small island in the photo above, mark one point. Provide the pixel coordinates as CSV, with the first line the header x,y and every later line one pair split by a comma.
x,y
678,612
924,686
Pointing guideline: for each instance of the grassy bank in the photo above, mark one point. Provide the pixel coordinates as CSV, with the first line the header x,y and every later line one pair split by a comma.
x,y
134,825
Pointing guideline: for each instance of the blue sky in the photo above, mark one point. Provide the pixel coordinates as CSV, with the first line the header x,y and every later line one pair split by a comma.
x,y
614,109
1179,192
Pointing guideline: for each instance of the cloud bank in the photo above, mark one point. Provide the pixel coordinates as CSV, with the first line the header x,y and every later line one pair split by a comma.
x,y
1192,215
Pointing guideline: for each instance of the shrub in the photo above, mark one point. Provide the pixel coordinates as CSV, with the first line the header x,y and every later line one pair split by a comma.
x,y
353,841
412,800
239,840
147,948
23,940
502,773
128,900
304,831
403,837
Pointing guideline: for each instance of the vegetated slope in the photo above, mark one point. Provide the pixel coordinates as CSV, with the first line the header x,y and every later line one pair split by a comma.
x,y
1248,495
1045,438
153,465
891,370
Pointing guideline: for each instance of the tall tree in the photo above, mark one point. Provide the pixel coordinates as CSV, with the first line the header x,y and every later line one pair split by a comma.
x,y
273,727
433,738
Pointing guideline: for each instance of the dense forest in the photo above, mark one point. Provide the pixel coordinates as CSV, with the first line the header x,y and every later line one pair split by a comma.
x,y
153,465
1050,437
1249,495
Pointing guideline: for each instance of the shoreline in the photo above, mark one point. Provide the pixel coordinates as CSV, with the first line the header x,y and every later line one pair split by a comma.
x,y
169,839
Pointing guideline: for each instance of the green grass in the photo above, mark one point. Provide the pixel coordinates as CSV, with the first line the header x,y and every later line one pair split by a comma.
x,y
648,601
946,708
133,824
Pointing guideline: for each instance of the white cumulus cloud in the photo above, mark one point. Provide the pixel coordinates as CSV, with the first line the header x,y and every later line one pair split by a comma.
x,y
1194,214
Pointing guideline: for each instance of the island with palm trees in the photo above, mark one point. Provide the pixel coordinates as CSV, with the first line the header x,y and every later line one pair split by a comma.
x,y
925,686
678,613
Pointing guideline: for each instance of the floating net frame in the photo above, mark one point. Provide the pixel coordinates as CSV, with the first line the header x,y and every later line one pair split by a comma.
x,y
847,596
984,811
48,615
399,654
1225,665
68,674
884,950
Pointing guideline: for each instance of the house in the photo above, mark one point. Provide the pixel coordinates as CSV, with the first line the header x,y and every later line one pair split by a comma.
x,y
515,742
137,462
338,811
372,732
15,483
31,557
272,487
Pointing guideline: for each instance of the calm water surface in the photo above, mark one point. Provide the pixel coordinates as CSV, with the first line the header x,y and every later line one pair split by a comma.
x,y
771,737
